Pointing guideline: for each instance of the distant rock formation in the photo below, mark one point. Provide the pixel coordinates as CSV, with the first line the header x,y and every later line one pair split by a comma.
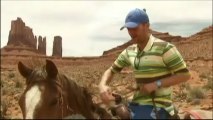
x,y
42,45
167,37
21,41
21,35
57,46
164,36
197,46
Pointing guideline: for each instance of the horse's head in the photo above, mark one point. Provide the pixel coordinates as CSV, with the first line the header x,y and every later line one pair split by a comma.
x,y
42,97
49,94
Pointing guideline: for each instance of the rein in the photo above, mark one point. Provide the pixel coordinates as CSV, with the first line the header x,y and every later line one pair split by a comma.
x,y
62,101
155,107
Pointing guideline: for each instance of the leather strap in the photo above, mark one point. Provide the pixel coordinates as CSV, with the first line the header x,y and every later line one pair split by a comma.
x,y
155,107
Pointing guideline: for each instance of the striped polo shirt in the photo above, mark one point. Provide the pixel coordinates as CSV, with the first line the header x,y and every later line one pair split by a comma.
x,y
159,59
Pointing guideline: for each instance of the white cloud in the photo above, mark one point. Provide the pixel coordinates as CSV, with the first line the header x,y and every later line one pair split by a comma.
x,y
91,27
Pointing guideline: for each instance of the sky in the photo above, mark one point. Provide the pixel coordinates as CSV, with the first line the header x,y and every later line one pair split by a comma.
x,y
88,28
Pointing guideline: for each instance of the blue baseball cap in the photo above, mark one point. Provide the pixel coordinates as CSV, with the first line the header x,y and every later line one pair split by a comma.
x,y
135,17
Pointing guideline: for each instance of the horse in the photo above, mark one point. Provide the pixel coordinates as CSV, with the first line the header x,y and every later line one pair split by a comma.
x,y
50,94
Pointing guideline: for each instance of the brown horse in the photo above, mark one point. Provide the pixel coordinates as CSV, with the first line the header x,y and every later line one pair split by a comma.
x,y
49,94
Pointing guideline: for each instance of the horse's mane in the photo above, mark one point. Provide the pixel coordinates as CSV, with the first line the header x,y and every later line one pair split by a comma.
x,y
79,97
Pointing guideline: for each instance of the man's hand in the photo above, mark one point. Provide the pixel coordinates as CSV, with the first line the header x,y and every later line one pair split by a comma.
x,y
106,95
148,88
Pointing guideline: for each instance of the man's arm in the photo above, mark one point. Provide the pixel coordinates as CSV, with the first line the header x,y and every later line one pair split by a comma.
x,y
175,63
106,78
165,82
105,93
175,79
121,62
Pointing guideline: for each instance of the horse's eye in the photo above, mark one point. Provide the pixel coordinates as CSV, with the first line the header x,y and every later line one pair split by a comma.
x,y
54,102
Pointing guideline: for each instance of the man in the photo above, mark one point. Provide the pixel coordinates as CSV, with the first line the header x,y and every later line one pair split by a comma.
x,y
157,66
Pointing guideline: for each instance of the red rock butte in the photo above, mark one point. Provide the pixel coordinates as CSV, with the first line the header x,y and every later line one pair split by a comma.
x,y
22,41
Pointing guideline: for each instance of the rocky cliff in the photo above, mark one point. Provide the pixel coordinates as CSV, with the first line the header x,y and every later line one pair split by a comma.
x,y
21,41
21,35
57,46
42,45
197,46
163,36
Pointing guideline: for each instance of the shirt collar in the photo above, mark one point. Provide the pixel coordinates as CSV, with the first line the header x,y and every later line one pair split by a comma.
x,y
149,44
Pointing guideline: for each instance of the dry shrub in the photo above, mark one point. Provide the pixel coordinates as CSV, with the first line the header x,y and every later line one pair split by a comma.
x,y
195,93
11,75
209,84
4,106
4,91
18,84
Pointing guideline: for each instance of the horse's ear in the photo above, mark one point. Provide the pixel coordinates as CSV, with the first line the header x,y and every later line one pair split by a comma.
x,y
24,70
51,69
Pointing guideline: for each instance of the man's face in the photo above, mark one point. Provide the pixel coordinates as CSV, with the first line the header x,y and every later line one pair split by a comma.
x,y
139,33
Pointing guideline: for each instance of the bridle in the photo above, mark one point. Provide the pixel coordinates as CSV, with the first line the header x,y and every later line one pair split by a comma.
x,y
61,101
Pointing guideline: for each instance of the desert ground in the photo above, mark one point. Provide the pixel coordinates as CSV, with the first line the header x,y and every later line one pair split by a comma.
x,y
194,94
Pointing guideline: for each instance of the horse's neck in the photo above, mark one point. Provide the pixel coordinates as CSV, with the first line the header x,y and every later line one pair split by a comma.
x,y
81,101
78,99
